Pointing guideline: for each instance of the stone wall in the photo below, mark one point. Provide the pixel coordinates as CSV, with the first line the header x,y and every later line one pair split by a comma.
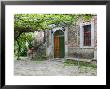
x,y
74,49
73,36
87,53
95,37
39,46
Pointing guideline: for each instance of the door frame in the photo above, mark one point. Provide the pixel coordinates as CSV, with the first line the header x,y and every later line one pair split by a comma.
x,y
54,30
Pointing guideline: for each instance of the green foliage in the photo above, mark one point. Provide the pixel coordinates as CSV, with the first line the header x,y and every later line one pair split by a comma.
x,y
23,51
40,21
87,17
24,37
30,45
32,22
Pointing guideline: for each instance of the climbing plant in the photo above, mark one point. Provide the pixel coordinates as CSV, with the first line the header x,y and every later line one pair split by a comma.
x,y
32,22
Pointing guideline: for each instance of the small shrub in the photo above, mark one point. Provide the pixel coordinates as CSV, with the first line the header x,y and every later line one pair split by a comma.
x,y
23,52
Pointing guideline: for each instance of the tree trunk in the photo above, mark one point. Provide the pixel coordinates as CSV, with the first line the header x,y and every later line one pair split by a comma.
x,y
44,36
18,50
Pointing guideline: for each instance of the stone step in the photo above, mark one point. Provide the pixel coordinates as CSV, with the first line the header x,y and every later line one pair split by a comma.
x,y
83,60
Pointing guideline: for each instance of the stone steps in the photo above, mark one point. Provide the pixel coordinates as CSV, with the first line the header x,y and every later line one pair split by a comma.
x,y
82,60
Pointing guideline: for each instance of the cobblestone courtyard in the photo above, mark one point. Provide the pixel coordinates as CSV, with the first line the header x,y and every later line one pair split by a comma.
x,y
50,68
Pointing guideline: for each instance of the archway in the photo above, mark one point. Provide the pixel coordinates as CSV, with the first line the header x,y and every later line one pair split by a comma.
x,y
59,48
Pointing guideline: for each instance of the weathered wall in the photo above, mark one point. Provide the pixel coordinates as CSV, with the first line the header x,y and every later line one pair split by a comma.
x,y
73,36
39,45
81,52
95,37
74,49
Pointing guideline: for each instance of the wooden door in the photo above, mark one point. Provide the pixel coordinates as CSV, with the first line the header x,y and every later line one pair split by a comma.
x,y
56,47
59,44
61,48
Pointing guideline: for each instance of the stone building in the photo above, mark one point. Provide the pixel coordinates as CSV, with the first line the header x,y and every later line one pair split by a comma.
x,y
75,41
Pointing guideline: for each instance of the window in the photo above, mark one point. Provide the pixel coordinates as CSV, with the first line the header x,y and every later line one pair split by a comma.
x,y
87,35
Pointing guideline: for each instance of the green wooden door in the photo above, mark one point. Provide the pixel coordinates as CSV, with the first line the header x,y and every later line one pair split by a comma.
x,y
62,48
59,49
